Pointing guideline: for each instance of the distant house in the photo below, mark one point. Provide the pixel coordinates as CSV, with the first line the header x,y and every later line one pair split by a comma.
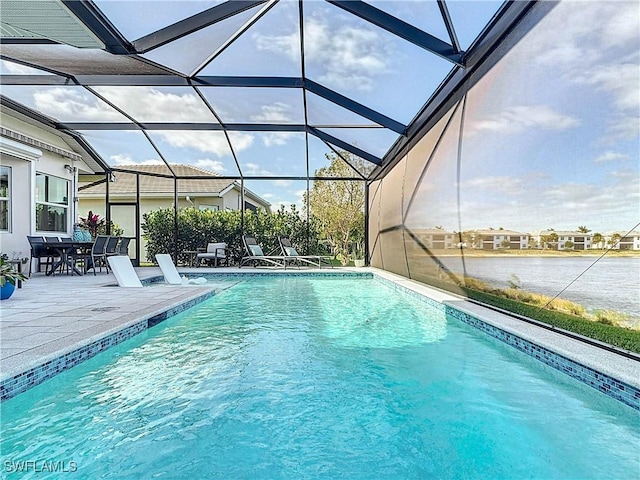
x,y
566,240
436,238
630,241
500,239
206,192
574,240
203,190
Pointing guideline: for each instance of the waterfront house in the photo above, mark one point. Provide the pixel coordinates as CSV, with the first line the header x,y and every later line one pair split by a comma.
x,y
500,239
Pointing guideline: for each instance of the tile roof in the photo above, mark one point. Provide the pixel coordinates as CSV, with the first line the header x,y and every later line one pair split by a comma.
x,y
126,184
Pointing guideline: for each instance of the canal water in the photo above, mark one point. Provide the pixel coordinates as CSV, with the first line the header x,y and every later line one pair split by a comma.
x,y
609,284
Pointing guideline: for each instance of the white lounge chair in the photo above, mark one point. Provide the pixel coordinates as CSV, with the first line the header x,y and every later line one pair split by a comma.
x,y
122,268
170,272
255,254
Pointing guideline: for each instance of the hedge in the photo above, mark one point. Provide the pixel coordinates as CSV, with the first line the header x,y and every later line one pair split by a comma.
x,y
197,227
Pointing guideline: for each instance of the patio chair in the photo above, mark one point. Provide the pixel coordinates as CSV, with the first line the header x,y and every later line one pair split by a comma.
x,y
123,247
255,254
216,252
122,269
98,255
111,248
38,252
289,250
170,272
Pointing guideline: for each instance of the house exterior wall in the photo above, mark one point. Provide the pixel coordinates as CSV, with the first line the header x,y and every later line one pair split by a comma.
x,y
20,187
23,184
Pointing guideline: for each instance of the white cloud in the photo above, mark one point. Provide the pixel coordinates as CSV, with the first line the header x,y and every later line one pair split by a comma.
x,y
348,56
622,127
277,138
621,80
593,43
74,103
575,35
255,169
148,104
499,184
282,183
212,165
277,112
525,117
206,141
611,156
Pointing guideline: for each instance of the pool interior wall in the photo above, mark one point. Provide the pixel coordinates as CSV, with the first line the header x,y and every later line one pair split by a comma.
x,y
607,382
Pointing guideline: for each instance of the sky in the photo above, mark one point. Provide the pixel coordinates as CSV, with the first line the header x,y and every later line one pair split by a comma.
x,y
552,145
550,134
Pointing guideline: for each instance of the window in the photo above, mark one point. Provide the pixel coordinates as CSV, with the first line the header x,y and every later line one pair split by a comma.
x,y
52,203
5,198
208,207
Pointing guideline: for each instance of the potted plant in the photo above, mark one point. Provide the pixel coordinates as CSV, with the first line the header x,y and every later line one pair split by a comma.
x,y
92,223
9,277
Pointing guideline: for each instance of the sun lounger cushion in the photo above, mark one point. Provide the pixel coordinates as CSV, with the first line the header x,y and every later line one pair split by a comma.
x,y
292,252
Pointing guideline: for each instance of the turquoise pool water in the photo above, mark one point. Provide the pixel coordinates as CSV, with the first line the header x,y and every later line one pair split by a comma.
x,y
316,378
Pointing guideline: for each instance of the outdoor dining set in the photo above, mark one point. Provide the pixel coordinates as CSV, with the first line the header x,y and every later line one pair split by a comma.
x,y
66,255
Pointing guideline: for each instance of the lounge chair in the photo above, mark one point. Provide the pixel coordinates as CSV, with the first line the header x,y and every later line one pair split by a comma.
x,y
122,268
170,272
256,255
315,260
216,252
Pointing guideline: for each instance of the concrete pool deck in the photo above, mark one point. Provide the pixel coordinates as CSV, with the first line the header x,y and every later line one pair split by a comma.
x,y
52,316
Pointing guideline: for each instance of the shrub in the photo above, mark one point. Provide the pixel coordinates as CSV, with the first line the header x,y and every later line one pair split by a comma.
x,y
197,227
625,338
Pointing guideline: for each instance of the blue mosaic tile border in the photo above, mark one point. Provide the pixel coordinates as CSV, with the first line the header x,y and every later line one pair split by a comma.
x,y
286,274
606,384
22,382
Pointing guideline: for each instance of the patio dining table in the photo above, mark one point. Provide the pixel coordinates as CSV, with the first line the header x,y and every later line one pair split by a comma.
x,y
64,250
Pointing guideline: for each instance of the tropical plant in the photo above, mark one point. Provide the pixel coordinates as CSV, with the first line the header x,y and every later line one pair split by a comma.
x,y
92,222
583,229
8,273
598,239
98,226
615,238
549,240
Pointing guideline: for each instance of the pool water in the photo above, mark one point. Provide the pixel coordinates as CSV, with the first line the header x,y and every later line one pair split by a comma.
x,y
317,378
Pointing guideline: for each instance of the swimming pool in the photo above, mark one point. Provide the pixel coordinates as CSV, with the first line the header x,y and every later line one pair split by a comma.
x,y
317,378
